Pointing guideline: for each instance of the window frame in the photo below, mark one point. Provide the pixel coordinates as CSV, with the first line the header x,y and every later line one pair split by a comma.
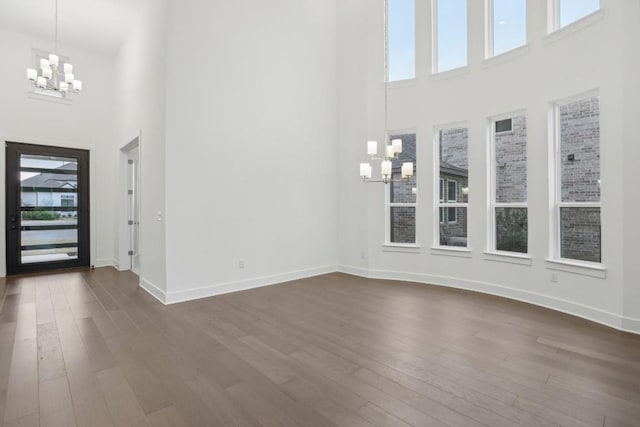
x,y
489,35
555,185
389,205
492,168
441,204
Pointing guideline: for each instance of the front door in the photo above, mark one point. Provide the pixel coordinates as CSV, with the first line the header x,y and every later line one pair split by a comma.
x,y
47,207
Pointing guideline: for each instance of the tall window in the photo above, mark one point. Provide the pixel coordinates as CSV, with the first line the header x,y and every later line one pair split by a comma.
x,y
402,195
509,213
506,25
566,12
577,180
453,174
402,52
450,35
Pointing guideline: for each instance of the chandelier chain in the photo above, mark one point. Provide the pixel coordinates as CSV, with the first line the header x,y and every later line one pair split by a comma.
x,y
386,66
56,38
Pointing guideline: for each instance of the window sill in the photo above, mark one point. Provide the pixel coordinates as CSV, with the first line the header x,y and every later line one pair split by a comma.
x,y
576,267
396,84
449,74
574,27
508,257
506,56
453,251
401,247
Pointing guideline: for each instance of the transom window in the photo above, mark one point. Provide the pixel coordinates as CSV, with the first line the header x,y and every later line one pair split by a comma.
x,y
402,52
565,12
506,23
449,35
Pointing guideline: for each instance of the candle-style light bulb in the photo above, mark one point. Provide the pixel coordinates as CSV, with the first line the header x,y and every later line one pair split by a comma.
x,y
372,148
407,169
397,146
385,168
32,74
365,170
389,152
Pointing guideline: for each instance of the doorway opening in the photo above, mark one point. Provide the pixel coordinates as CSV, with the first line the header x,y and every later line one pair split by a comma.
x,y
47,207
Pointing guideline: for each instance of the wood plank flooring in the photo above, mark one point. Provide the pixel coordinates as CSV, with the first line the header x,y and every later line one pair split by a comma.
x,y
89,348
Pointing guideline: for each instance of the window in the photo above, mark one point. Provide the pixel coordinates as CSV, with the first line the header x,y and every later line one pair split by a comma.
x,y
508,168
503,126
402,195
453,171
577,180
402,57
67,200
450,34
566,12
506,25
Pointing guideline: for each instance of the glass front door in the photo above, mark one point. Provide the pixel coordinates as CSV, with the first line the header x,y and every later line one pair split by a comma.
x,y
47,207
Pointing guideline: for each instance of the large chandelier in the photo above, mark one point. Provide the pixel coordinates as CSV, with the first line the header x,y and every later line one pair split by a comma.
x,y
52,79
393,150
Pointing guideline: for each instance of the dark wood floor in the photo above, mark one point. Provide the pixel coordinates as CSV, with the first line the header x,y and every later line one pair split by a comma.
x,y
90,348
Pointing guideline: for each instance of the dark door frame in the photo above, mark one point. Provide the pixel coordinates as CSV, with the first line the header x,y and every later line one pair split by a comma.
x,y
13,151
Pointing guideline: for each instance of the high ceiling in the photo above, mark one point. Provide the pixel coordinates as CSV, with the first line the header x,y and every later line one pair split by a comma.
x,y
98,25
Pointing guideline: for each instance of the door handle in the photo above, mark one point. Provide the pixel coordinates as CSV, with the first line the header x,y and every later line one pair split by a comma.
x,y
13,218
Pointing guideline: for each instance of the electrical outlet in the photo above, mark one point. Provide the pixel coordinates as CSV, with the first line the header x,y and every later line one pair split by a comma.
x,y
241,264
554,277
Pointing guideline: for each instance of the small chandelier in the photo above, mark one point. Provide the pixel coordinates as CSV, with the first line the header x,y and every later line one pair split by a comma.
x,y
393,150
51,79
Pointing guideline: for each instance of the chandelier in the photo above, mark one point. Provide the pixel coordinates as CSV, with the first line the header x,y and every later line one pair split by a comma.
x,y
52,79
393,150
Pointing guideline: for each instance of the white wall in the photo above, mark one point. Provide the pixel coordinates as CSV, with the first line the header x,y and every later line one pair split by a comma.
x,y
630,72
87,123
251,143
140,109
550,68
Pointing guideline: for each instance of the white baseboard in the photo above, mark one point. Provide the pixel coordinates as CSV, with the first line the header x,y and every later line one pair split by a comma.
x,y
631,325
153,290
590,313
224,288
104,263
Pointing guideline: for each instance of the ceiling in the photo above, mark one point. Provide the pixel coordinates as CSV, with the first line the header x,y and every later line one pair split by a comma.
x,y
98,25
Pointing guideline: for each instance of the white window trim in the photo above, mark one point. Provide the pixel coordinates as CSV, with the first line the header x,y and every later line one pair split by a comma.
x,y
492,185
437,204
388,204
489,34
434,42
555,260
452,201
441,199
